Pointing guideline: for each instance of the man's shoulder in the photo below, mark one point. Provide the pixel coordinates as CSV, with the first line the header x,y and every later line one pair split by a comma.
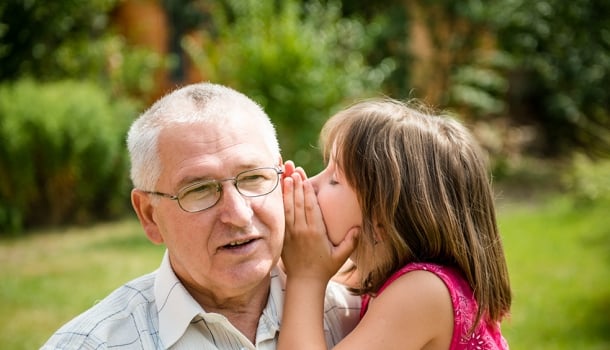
x,y
122,318
341,311
337,295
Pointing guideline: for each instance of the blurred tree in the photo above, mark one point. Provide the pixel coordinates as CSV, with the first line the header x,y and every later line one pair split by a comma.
x,y
301,63
541,64
66,85
62,158
51,39
184,17
455,62
392,40
562,50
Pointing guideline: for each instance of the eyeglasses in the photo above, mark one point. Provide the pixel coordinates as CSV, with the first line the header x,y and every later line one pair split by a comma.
x,y
205,194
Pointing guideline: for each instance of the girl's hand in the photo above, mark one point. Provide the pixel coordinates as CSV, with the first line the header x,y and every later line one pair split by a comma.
x,y
290,168
308,253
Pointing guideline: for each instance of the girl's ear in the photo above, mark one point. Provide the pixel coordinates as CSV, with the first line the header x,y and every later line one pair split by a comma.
x,y
145,211
379,234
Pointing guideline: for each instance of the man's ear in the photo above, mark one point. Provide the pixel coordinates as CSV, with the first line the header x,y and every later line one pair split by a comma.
x,y
145,211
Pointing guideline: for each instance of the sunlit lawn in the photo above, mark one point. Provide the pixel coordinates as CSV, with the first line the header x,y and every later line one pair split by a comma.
x,y
49,277
558,255
559,262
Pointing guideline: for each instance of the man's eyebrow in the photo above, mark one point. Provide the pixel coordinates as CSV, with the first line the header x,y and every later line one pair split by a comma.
x,y
190,180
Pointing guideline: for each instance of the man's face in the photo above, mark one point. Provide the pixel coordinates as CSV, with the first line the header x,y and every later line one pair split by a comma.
x,y
229,249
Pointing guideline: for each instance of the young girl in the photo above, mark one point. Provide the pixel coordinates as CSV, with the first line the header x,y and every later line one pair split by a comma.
x,y
410,192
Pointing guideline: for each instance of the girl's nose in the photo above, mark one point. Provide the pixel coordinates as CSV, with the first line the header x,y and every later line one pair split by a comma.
x,y
315,181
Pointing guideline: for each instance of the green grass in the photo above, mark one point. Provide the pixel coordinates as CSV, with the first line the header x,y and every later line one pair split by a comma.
x,y
559,263
50,277
558,256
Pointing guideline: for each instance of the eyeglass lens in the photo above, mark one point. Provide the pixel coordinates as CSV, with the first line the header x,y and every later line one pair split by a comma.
x,y
250,183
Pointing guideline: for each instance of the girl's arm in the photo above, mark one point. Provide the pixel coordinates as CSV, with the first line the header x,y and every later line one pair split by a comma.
x,y
310,260
414,312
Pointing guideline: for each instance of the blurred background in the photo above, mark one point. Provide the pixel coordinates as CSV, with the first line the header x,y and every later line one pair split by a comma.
x,y
530,78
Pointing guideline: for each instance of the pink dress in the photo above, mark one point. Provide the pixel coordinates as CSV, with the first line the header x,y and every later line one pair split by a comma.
x,y
487,334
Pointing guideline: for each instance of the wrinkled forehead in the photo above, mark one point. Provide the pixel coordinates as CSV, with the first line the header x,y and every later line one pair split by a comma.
x,y
196,150
220,119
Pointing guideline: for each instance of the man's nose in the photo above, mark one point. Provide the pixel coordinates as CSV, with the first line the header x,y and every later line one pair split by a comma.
x,y
235,208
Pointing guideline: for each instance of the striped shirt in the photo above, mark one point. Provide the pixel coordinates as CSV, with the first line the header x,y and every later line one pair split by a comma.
x,y
156,312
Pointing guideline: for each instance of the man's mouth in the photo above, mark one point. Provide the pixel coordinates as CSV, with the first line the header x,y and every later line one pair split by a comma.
x,y
238,243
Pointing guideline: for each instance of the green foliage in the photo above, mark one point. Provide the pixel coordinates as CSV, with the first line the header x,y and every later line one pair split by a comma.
x,y
391,39
62,157
481,85
588,180
300,63
562,50
130,69
550,67
51,38
66,39
473,74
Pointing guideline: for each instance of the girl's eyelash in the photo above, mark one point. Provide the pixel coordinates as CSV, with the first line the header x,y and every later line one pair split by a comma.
x,y
333,182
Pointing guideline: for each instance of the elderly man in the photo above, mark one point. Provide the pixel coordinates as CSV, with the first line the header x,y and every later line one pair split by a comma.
x,y
206,168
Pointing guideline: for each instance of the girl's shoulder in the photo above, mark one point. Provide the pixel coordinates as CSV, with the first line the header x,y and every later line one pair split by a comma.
x,y
486,335
449,276
453,278
414,309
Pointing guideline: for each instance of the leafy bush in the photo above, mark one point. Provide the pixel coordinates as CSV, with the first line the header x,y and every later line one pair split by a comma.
x,y
52,38
62,157
562,53
544,64
588,180
65,39
300,62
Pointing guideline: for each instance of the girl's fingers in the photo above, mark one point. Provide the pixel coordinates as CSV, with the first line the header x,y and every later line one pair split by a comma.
x,y
288,194
289,168
345,248
300,221
301,172
312,209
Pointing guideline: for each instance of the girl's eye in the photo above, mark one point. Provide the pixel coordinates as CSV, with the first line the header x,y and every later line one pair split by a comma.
x,y
333,182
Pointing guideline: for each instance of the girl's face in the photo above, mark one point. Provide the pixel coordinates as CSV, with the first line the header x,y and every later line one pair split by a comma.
x,y
338,202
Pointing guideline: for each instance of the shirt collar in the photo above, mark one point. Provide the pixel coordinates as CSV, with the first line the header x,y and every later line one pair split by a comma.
x,y
269,322
177,308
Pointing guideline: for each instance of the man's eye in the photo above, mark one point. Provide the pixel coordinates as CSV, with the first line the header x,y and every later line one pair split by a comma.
x,y
252,178
201,190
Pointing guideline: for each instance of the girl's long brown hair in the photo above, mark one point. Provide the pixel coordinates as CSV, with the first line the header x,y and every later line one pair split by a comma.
x,y
423,186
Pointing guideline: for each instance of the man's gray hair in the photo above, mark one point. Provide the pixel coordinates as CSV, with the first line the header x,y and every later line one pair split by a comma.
x,y
196,103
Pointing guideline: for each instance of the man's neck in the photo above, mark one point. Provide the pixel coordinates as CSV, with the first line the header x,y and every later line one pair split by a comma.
x,y
243,312
245,322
